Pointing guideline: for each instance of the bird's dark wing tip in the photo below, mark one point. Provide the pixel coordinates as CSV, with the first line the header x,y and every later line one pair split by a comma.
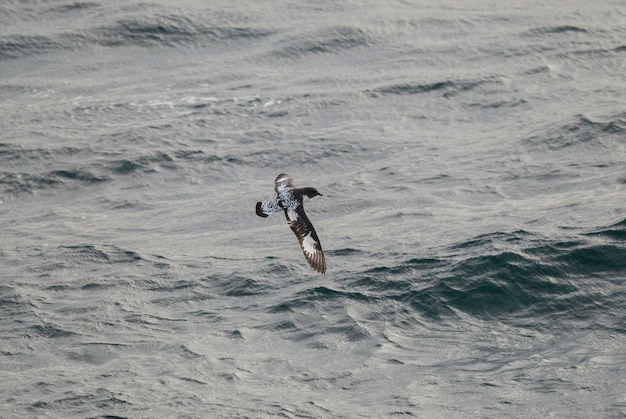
x,y
259,211
317,262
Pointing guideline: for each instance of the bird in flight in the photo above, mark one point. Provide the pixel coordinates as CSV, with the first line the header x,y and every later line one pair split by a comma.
x,y
289,199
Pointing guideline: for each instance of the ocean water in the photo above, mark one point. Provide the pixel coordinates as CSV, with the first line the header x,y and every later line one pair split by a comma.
x,y
472,161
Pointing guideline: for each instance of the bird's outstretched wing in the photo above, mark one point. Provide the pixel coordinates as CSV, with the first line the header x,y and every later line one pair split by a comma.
x,y
307,237
263,209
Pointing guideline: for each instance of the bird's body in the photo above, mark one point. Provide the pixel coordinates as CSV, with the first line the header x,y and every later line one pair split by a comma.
x,y
289,199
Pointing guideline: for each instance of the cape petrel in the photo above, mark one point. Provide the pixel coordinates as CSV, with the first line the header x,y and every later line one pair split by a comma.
x,y
289,199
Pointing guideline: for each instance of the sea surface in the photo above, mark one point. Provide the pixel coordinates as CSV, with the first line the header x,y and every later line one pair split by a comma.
x,y
472,160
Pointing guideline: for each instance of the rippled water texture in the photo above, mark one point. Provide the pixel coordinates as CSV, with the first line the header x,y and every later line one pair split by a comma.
x,y
471,158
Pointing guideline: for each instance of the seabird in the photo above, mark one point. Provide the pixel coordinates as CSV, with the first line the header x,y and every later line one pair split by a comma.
x,y
289,199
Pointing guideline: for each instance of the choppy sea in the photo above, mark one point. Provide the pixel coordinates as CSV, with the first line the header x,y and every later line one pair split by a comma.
x,y
472,161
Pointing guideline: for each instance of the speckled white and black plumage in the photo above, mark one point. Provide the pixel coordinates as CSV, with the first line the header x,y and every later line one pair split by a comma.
x,y
289,199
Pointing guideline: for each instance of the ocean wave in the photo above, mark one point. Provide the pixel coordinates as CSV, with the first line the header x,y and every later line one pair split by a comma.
x,y
235,285
16,46
582,129
447,88
330,40
104,167
556,30
81,254
170,30
615,231
147,30
509,277
19,183
14,181
68,269
48,330
12,303
304,318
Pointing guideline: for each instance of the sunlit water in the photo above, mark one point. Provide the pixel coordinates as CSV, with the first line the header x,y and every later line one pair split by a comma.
x,y
471,157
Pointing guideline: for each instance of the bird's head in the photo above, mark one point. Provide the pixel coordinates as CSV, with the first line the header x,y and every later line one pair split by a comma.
x,y
310,192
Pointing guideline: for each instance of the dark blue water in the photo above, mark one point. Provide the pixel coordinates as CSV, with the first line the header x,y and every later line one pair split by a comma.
x,y
472,161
